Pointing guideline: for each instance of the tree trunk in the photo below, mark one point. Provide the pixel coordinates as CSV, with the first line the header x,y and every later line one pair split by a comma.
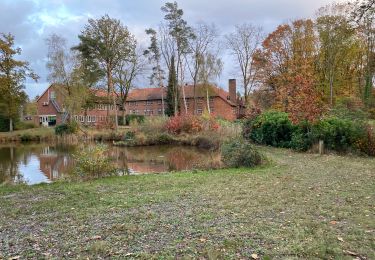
x,y
208,102
184,98
10,125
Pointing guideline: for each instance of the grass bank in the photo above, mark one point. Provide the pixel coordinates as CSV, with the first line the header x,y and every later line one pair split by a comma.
x,y
33,134
300,206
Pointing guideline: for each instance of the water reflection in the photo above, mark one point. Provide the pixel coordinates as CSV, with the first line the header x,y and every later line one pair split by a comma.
x,y
37,163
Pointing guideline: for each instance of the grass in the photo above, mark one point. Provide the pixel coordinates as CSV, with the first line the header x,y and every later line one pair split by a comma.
x,y
40,133
299,206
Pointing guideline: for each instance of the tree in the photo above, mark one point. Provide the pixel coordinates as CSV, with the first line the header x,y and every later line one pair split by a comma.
x,y
172,99
180,33
154,56
104,43
125,74
200,46
13,74
210,69
66,72
364,17
287,64
336,38
243,44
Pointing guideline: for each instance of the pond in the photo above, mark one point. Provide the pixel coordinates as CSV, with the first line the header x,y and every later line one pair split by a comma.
x,y
45,163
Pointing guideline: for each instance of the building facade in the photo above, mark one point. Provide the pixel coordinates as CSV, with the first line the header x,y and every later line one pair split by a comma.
x,y
146,101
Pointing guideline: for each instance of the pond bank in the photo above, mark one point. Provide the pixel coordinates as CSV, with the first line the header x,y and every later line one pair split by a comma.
x,y
303,206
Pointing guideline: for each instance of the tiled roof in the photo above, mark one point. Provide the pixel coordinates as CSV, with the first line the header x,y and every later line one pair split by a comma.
x,y
156,93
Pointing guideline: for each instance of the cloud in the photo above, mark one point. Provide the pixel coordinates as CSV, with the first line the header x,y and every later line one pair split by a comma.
x,y
31,21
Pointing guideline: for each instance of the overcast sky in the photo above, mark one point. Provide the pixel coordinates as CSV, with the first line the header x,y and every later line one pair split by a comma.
x,y
31,21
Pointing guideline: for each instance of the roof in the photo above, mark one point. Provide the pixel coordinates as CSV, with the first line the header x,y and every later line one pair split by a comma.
x,y
142,94
156,93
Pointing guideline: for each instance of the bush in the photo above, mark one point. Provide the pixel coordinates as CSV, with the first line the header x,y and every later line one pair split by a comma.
x,y
93,162
239,152
301,137
21,125
270,128
64,129
338,134
131,118
184,124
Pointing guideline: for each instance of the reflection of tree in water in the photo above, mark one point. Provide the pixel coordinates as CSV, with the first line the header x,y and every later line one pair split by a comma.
x,y
9,165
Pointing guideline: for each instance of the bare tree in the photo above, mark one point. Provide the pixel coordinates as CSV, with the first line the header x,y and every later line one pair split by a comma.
x,y
243,44
203,42
125,74
64,69
210,69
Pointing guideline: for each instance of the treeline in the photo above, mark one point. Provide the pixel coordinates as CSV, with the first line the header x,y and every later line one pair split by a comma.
x,y
304,67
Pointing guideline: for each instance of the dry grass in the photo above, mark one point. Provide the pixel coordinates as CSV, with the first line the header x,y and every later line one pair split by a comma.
x,y
300,206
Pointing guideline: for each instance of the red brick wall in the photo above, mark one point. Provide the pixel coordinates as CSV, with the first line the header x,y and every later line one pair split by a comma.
x,y
219,107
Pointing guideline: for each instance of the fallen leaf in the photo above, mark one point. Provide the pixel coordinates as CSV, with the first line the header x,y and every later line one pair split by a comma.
x,y
254,256
340,239
14,257
333,222
350,253
96,238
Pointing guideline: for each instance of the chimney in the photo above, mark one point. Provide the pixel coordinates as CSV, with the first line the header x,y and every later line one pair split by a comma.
x,y
232,90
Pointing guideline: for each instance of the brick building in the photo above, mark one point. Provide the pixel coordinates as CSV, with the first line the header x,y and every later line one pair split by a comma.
x,y
146,101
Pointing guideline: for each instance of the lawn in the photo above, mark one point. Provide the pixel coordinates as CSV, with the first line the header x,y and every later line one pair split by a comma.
x,y
299,206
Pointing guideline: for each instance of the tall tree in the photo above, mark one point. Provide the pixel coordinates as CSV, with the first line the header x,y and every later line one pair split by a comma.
x,y
125,74
180,33
200,46
105,42
172,99
336,38
243,44
364,17
13,74
154,56
288,65
65,70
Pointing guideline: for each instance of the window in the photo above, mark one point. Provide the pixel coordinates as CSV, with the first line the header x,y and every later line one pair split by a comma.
x,y
93,118
159,102
160,111
52,95
199,111
148,102
82,118
200,100
89,119
211,99
212,108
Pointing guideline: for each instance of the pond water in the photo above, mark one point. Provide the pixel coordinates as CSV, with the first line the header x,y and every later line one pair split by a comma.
x,y
38,163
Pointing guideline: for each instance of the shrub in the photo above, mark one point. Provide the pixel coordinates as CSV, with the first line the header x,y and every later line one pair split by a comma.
x,y
270,128
184,124
93,162
69,128
238,152
301,139
131,118
338,134
21,125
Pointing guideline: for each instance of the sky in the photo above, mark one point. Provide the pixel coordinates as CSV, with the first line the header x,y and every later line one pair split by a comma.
x,y
32,21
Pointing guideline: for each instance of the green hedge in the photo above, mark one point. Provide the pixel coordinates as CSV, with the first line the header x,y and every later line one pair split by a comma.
x,y
64,129
339,134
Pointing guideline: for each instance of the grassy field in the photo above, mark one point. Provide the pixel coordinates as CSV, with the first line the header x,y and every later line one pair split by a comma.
x,y
299,206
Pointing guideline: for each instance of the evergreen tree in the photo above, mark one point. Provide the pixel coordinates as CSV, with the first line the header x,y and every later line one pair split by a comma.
x,y
172,91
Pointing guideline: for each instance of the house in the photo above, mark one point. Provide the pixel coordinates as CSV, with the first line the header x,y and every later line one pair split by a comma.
x,y
51,111
150,101
146,101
